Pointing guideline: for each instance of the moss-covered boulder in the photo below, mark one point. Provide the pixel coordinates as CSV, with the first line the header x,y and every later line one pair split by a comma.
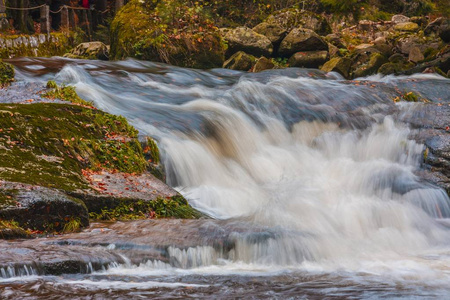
x,y
394,68
174,34
415,55
301,39
407,26
293,18
247,40
340,65
308,59
240,61
6,74
90,50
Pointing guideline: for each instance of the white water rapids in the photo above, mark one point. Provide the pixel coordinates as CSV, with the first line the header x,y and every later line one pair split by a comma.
x,y
321,163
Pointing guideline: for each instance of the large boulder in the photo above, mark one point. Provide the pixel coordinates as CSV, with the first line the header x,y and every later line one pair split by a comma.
x,y
301,39
292,18
90,50
274,32
308,59
247,40
340,65
240,61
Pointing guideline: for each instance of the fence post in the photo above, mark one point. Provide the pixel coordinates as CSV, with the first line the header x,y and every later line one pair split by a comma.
x,y
65,18
45,19
4,24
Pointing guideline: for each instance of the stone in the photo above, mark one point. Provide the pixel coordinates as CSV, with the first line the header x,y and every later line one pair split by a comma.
x,y
292,18
433,27
240,61
274,32
420,20
376,60
415,55
396,19
340,65
90,50
335,40
406,26
365,25
301,39
262,64
308,59
247,40
41,208
444,31
397,58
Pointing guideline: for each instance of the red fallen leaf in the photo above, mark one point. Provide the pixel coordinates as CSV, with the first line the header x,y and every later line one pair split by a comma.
x,y
127,189
447,128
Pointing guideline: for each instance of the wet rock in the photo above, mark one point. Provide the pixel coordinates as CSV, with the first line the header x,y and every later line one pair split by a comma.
x,y
308,59
407,26
340,65
274,32
300,39
262,64
240,61
415,55
375,61
90,50
40,208
292,18
400,19
247,40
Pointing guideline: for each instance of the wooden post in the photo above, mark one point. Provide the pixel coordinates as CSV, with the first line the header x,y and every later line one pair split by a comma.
x,y
4,24
45,19
65,18
23,15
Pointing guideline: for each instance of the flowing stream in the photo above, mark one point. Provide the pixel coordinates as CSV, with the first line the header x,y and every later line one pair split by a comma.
x,y
318,173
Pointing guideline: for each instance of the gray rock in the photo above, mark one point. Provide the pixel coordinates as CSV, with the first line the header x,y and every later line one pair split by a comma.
x,y
399,19
415,55
90,50
247,40
300,39
240,61
308,59
274,32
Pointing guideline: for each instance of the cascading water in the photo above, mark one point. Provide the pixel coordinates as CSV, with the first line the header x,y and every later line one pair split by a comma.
x,y
320,163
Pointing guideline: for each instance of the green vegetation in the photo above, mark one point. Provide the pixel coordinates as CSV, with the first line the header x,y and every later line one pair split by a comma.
x,y
49,144
12,230
72,225
129,209
6,74
65,93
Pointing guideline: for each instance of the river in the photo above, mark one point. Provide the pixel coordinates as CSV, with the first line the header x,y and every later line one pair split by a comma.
x,y
314,179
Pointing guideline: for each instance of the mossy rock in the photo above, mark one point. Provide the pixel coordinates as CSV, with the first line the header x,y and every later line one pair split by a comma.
x,y
376,60
293,18
262,64
49,144
407,26
240,61
301,39
394,68
6,74
308,59
340,65
249,41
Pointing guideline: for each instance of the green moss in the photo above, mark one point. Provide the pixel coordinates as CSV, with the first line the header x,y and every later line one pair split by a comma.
x,y
411,97
65,93
130,209
6,74
50,144
11,230
72,225
7,198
